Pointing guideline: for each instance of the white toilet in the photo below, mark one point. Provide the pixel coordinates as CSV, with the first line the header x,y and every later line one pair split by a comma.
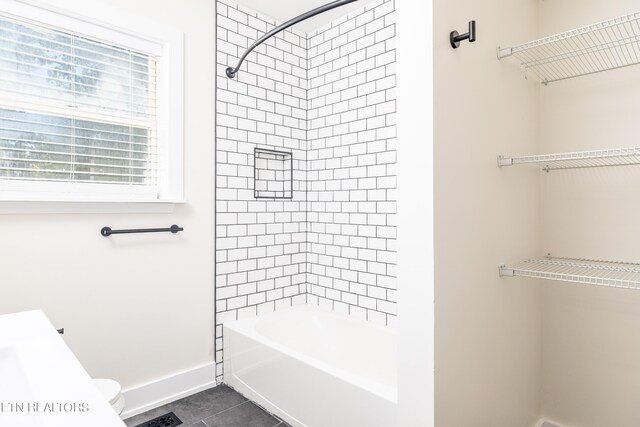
x,y
112,392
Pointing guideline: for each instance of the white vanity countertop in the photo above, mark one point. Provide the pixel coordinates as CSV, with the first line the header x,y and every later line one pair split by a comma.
x,y
42,384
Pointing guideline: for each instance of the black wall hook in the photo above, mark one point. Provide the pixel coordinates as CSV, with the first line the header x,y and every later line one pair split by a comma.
x,y
455,38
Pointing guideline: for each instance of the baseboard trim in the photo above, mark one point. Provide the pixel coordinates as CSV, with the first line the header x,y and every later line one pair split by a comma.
x,y
157,393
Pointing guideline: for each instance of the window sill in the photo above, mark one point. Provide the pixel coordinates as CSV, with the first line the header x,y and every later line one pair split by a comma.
x,y
87,207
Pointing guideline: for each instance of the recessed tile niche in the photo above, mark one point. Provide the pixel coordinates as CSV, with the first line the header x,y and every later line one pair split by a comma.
x,y
272,174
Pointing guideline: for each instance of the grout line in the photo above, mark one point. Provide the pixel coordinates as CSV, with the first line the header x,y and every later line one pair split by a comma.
x,y
240,404
225,410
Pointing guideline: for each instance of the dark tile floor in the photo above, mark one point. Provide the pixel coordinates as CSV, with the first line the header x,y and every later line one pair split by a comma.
x,y
220,406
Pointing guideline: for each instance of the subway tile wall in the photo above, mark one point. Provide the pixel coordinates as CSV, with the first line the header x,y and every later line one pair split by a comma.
x,y
351,159
328,98
261,244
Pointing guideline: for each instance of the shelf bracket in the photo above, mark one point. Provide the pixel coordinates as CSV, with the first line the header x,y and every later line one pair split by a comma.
x,y
504,271
504,161
504,52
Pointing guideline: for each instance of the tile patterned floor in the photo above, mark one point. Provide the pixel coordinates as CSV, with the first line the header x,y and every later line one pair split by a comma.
x,y
220,406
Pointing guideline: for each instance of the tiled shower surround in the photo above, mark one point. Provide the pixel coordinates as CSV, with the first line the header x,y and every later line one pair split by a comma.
x,y
351,158
327,97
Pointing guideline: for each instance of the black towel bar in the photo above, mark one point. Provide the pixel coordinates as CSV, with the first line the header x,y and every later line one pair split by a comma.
x,y
107,231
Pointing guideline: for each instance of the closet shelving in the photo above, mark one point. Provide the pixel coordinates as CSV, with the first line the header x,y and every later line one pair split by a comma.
x,y
606,45
592,272
582,159
603,46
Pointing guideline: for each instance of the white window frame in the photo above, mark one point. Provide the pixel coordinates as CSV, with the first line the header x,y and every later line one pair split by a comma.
x,y
165,42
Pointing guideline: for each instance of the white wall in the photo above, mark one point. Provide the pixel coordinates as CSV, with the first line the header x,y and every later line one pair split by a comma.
x,y
591,350
415,215
488,329
135,308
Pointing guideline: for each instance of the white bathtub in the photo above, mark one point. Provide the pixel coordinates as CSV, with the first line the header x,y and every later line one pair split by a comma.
x,y
314,368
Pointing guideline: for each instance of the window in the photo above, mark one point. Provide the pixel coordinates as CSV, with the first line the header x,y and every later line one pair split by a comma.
x,y
87,112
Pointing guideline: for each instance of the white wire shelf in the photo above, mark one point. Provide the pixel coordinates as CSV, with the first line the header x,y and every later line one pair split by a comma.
x,y
581,159
592,272
599,47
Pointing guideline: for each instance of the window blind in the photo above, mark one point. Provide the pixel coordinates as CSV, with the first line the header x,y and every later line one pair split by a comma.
x,y
75,109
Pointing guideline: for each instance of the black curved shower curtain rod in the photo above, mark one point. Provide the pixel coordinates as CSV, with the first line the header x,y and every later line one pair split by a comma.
x,y
231,72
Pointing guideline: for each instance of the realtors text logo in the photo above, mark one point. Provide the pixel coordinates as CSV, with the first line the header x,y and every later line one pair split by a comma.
x,y
43,407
